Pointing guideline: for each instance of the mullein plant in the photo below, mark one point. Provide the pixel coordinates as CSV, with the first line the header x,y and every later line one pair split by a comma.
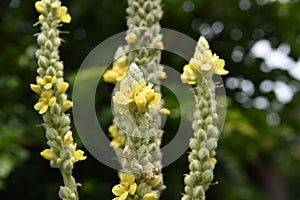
x,y
136,132
53,102
199,73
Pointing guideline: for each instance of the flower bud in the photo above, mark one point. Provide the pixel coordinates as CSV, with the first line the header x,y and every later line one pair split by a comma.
x,y
207,176
203,153
64,192
41,39
194,144
211,144
198,191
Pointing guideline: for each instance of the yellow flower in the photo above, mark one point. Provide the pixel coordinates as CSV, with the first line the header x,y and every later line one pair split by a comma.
x,y
40,6
142,95
149,196
189,75
117,139
131,38
44,102
77,155
48,154
61,12
127,186
47,82
203,60
62,87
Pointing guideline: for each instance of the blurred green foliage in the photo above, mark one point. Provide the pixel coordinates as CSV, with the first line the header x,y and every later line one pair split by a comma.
x,y
259,149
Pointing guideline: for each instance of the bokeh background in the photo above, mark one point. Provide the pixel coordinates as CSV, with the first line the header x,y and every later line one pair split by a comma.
x,y
259,148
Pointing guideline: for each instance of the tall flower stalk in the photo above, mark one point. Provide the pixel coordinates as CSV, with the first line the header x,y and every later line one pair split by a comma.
x,y
53,102
199,72
136,100
143,48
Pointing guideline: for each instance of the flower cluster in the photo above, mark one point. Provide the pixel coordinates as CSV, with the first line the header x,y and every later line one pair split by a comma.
x,y
137,94
118,70
60,12
204,61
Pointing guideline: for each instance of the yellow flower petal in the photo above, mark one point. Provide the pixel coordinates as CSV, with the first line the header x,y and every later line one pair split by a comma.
x,y
118,190
155,100
130,178
123,196
48,86
132,188
78,155
48,154
38,106
149,196
62,87
52,101
35,88
110,76
41,81
61,11
122,61
66,18
68,104
40,6
46,95
141,101
117,142
43,109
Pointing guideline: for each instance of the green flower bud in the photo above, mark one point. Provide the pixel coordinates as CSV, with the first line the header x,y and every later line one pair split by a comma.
x,y
73,196
142,150
41,38
49,45
53,144
68,166
201,135
43,62
211,144
51,71
57,42
212,131
66,155
65,120
195,165
198,191
190,180
207,176
51,133
188,190
55,109
203,153
194,144
186,197
64,192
